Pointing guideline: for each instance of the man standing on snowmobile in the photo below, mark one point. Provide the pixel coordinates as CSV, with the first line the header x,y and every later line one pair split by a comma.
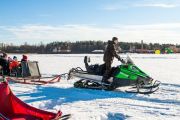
x,y
109,54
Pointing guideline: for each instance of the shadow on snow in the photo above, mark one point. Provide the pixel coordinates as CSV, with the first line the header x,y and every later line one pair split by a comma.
x,y
69,95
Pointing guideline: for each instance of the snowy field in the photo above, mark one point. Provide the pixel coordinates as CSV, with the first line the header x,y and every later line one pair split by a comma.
x,y
86,104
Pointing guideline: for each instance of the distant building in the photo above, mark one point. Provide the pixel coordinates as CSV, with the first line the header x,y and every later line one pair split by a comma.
x,y
141,50
60,50
174,49
56,50
65,51
132,48
1,45
178,50
142,44
144,51
98,51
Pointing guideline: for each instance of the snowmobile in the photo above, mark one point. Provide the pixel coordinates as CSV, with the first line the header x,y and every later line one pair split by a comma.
x,y
127,75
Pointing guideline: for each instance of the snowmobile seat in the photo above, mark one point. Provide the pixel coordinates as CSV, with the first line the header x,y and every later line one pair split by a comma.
x,y
12,108
102,69
96,69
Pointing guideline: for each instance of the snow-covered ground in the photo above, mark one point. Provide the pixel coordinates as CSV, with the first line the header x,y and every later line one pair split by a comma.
x,y
86,104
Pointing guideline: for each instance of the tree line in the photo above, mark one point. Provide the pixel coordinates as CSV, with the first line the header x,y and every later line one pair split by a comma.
x,y
80,47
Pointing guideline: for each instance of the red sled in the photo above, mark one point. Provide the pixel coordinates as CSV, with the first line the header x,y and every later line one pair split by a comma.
x,y
12,108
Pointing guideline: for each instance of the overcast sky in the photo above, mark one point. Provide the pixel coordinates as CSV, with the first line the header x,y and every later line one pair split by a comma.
x,y
33,21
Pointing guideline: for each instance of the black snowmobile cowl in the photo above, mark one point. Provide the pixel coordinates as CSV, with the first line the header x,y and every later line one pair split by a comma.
x,y
124,75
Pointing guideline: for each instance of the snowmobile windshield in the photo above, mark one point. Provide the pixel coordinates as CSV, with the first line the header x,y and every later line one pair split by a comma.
x,y
129,60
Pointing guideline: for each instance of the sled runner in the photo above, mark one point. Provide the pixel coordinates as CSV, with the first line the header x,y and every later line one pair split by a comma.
x,y
29,73
124,75
12,108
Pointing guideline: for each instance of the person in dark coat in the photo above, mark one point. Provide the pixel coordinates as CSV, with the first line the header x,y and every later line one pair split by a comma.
x,y
4,64
109,54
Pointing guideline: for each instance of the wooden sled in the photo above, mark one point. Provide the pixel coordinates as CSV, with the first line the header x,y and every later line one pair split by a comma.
x,y
29,73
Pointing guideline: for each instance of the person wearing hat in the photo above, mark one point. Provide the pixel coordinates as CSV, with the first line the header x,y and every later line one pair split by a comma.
x,y
24,58
109,54
14,63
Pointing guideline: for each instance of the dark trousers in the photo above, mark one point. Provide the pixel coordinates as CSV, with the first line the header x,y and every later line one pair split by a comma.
x,y
107,73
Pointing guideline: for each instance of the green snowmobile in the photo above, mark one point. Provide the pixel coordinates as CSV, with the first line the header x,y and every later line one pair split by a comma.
x,y
126,75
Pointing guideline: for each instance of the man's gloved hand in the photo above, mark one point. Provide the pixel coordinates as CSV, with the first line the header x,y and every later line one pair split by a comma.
x,y
122,61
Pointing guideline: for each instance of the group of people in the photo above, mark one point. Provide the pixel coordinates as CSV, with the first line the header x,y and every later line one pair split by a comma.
x,y
8,64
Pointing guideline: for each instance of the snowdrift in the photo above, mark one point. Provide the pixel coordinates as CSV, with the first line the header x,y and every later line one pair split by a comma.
x,y
12,108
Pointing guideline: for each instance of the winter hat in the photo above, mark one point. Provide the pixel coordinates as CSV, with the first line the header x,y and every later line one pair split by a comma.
x,y
14,57
24,57
10,59
114,38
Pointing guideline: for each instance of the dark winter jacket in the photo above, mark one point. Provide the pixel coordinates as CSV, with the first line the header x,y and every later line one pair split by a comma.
x,y
5,66
110,52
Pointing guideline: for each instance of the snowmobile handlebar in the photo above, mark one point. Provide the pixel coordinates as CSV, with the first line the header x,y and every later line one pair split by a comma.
x,y
122,61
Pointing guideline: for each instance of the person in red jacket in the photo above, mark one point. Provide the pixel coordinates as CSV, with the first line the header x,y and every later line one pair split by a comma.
x,y
14,63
